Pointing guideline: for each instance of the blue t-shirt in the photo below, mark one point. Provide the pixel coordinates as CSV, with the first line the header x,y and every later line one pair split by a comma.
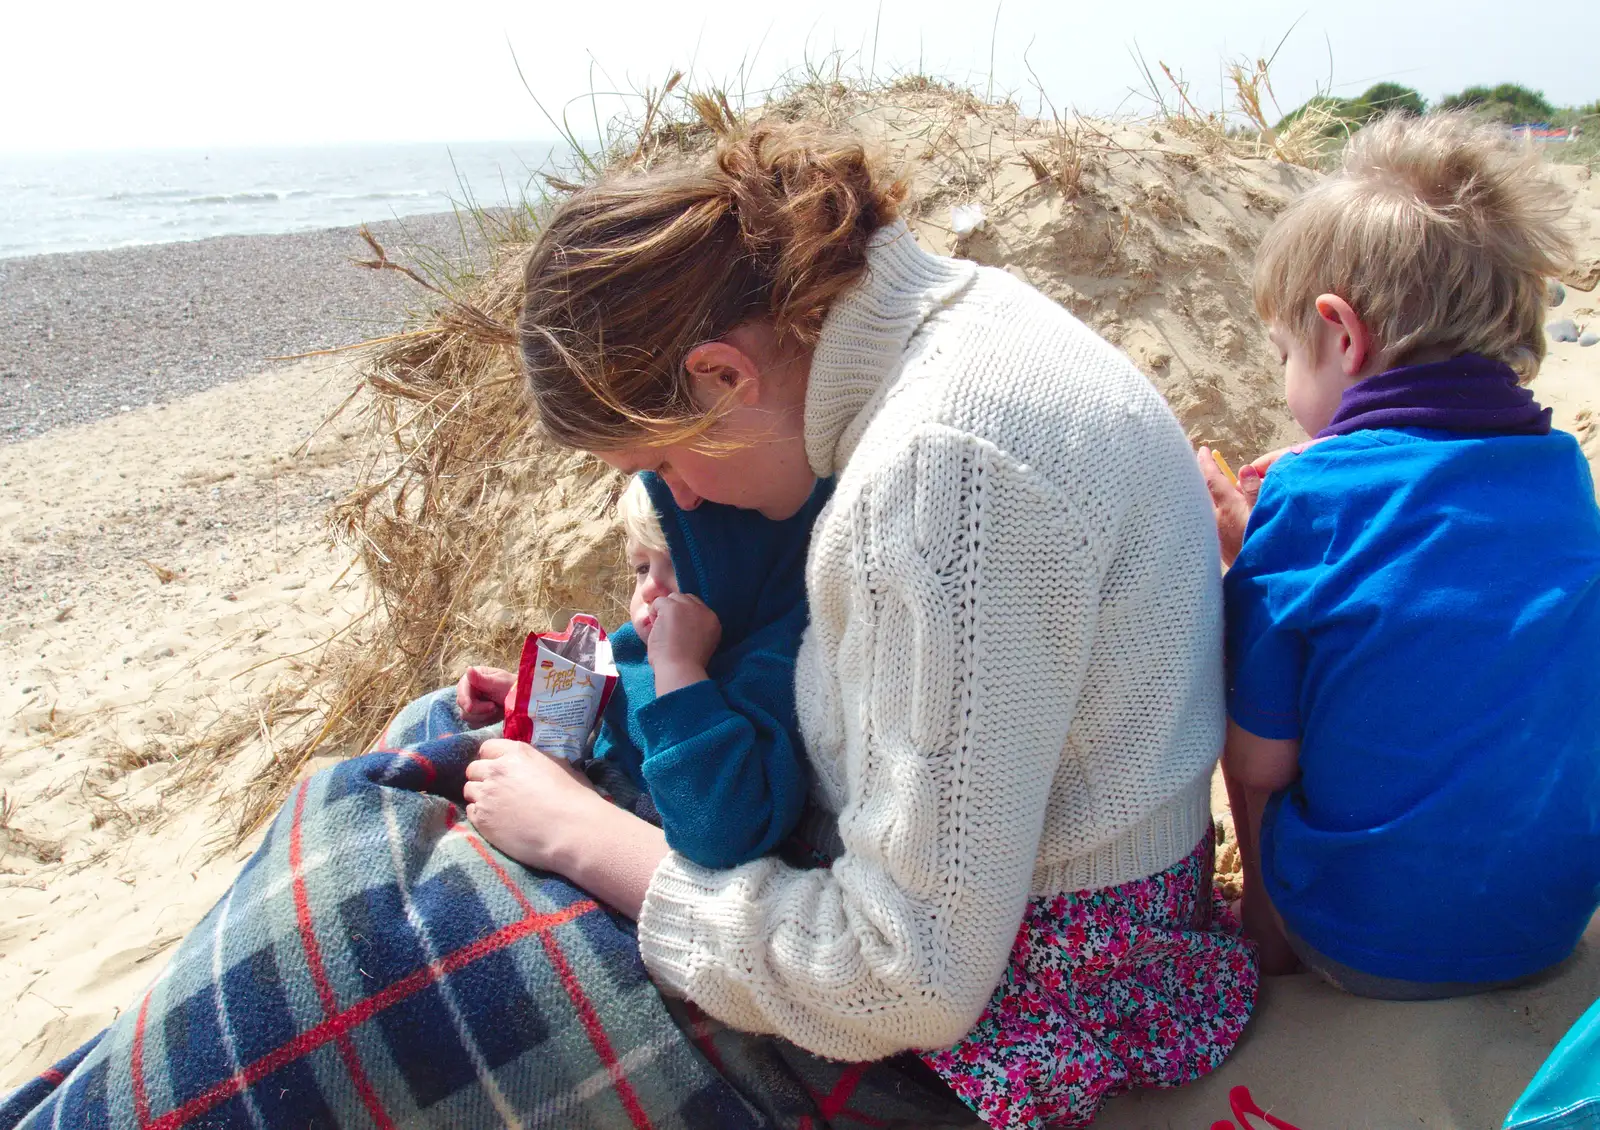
x,y
1421,610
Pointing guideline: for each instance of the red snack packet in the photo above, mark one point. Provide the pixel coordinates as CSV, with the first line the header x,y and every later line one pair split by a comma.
x,y
564,681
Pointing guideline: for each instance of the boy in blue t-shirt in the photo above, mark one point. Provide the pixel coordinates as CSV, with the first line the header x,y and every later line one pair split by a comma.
x,y
1413,619
703,715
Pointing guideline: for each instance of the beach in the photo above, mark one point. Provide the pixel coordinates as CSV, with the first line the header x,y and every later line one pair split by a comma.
x,y
163,565
163,492
163,486
91,334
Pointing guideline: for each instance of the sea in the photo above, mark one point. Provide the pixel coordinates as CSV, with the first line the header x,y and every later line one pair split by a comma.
x,y
86,201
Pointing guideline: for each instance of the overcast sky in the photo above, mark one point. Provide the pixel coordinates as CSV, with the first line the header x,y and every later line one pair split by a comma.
x,y
97,75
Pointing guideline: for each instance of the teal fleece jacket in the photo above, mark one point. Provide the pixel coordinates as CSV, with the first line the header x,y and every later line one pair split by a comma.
x,y
722,759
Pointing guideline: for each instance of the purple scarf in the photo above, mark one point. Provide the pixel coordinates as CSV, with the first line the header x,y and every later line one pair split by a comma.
x,y
1468,393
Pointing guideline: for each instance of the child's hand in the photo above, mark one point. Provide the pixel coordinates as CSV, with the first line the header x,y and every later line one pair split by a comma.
x,y
1232,502
482,693
683,638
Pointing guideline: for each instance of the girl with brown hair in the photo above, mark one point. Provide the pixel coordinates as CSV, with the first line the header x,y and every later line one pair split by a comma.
x,y
1010,690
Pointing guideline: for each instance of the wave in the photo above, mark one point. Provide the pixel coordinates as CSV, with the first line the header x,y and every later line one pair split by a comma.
x,y
277,196
404,194
200,196
143,194
237,198
136,198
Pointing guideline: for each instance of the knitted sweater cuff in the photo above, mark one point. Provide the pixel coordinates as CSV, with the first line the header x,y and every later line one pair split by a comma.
x,y
667,923
1149,847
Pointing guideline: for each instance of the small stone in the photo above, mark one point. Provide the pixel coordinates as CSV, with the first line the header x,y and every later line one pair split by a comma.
x,y
1558,293
1564,330
1589,338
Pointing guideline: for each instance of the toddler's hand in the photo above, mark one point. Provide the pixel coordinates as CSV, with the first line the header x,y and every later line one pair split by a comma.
x,y
1231,502
684,635
482,693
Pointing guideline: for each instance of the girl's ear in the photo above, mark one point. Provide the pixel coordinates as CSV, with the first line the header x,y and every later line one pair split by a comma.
x,y
721,372
1352,342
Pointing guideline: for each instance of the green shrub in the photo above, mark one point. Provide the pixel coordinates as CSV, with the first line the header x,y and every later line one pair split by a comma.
x,y
1391,97
1350,114
1508,102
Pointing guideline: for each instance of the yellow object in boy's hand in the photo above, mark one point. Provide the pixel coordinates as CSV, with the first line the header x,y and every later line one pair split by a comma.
x,y
1222,465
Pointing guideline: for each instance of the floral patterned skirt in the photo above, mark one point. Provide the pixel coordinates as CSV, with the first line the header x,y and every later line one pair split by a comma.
x,y
1147,984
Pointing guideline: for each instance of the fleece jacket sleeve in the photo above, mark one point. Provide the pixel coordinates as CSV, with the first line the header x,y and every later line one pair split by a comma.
x,y
723,760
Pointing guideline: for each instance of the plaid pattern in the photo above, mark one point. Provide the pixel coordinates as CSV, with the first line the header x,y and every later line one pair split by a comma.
x,y
377,964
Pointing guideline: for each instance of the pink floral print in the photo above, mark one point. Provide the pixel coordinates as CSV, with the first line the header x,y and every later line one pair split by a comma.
x,y
1147,984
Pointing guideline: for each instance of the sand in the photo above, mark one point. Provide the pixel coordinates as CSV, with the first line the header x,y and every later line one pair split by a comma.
x,y
104,864
107,862
1570,380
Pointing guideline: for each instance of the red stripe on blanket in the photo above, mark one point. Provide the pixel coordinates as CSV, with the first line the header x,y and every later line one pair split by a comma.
x,y
452,821
592,1025
596,1032
430,771
141,1099
700,1031
358,1014
833,1105
319,975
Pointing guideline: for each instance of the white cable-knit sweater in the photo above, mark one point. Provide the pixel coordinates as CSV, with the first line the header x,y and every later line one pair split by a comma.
x,y
1011,683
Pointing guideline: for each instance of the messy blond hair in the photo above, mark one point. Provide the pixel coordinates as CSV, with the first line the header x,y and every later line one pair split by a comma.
x,y
641,525
1439,231
633,272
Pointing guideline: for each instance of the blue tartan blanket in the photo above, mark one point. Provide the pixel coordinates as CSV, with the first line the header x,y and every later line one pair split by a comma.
x,y
377,964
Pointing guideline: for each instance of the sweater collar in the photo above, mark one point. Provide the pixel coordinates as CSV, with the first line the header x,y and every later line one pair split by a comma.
x,y
864,337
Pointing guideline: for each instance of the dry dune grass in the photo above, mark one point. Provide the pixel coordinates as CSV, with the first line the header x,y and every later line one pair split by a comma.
x,y
472,532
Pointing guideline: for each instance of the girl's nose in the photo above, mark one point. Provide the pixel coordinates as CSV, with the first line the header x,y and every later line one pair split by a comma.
x,y
681,494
